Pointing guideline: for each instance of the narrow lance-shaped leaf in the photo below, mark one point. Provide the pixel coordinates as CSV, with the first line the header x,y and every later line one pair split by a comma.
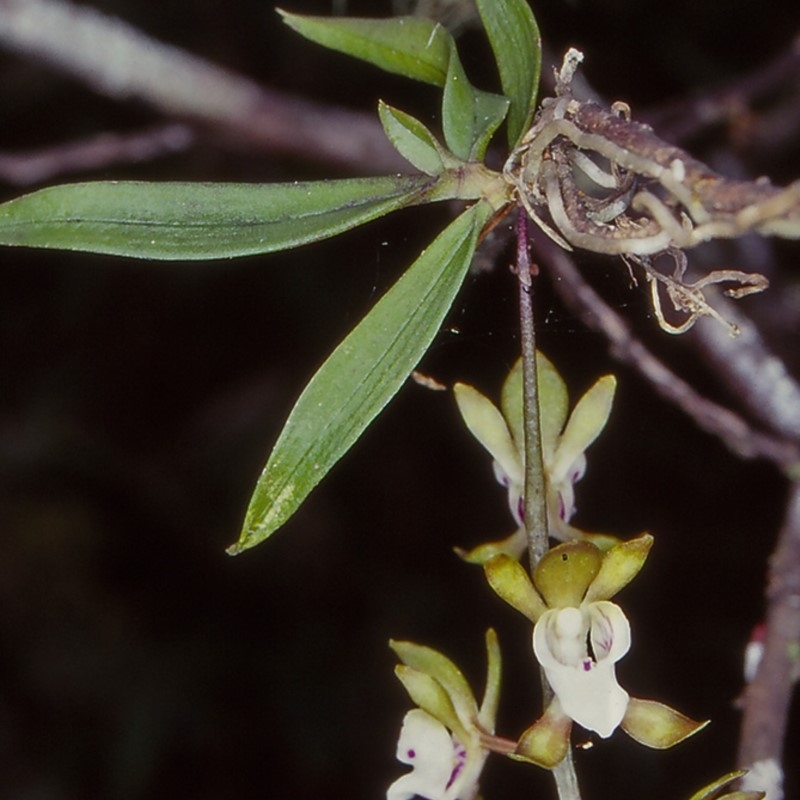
x,y
517,45
469,116
414,47
360,377
421,49
173,221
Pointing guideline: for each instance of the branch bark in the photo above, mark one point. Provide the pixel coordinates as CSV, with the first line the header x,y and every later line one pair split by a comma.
x,y
729,427
94,152
117,60
767,699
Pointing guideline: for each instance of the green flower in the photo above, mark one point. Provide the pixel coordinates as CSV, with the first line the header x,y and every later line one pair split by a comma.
x,y
564,444
443,739
578,637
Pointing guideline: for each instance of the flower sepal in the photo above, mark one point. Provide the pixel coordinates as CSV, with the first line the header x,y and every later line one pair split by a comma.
x,y
546,742
711,791
656,725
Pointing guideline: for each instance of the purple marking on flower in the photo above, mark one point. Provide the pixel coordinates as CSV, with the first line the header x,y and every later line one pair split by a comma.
x,y
562,508
521,508
587,664
411,753
460,753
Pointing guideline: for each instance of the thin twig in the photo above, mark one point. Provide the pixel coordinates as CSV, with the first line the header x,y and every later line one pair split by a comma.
x,y
713,418
685,118
95,152
758,377
768,698
120,61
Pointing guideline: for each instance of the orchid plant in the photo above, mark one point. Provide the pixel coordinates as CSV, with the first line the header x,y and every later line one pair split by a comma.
x,y
579,634
635,206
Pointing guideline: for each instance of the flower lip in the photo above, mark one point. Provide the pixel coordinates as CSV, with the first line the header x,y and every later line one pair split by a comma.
x,y
577,648
425,745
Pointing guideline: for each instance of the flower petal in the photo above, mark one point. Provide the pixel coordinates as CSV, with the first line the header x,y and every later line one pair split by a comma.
x,y
488,426
491,695
620,565
609,630
427,746
587,420
587,689
546,742
511,583
658,726
565,573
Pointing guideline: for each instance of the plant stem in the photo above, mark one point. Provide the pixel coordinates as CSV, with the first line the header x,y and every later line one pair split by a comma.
x,y
535,496
535,490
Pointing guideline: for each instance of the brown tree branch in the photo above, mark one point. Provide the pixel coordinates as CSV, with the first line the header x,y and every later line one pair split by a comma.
x,y
767,699
711,417
117,60
757,377
96,152
685,118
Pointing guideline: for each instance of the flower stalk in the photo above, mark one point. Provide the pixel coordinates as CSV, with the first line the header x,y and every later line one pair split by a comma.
x,y
535,516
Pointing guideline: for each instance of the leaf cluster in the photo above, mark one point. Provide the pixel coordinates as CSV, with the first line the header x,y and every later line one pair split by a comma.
x,y
180,221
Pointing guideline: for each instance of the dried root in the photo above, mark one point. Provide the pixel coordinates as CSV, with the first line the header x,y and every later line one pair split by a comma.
x,y
594,179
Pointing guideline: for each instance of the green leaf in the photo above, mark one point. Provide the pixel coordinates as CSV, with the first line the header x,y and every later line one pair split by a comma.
x,y
517,45
360,377
469,116
414,47
414,141
421,49
200,220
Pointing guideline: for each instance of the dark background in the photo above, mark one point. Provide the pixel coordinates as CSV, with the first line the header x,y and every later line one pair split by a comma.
x,y
138,402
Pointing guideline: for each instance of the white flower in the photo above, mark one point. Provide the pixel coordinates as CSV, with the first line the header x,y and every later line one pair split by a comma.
x,y
577,648
443,738
441,767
